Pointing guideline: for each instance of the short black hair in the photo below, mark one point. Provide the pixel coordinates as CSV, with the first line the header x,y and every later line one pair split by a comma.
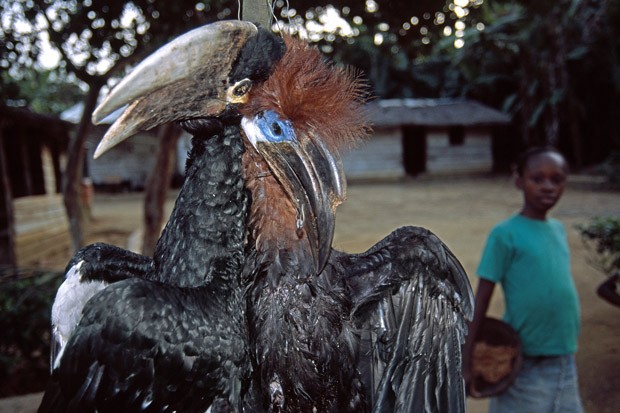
x,y
529,153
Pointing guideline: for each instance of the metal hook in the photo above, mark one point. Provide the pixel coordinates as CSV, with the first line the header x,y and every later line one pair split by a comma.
x,y
299,221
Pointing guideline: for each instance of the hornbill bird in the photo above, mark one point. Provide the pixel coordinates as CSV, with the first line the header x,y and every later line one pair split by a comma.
x,y
165,334
326,331
131,333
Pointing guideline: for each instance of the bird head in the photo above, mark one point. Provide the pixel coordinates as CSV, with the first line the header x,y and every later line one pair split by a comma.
x,y
299,119
296,110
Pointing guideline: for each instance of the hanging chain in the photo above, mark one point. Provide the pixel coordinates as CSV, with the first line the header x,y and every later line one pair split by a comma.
x,y
299,221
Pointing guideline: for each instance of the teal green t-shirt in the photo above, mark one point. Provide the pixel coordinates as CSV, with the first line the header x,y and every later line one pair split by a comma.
x,y
531,260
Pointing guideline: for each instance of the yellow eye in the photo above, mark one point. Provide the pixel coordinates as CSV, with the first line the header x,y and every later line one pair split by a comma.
x,y
238,93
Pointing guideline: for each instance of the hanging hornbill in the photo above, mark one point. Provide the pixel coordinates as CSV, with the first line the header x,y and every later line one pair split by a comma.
x,y
136,334
131,333
325,331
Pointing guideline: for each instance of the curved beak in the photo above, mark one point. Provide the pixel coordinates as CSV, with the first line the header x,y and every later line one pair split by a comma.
x,y
313,178
196,75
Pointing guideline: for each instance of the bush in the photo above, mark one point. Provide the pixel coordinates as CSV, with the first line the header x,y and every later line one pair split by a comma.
x,y
602,237
25,305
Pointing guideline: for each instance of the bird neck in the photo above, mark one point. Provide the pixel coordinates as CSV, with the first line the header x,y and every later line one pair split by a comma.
x,y
205,235
273,229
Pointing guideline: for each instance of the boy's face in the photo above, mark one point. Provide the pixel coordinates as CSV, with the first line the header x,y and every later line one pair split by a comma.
x,y
542,183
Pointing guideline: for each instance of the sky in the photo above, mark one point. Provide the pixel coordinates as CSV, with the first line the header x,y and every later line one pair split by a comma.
x,y
330,22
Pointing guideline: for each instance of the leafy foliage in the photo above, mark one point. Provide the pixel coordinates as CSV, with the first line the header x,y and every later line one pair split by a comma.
x,y
602,237
551,65
413,26
387,39
97,38
25,302
554,66
41,91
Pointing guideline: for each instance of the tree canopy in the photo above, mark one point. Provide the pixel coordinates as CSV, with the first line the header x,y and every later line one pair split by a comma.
x,y
554,66
96,39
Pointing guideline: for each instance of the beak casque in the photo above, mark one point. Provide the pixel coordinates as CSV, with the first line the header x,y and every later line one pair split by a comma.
x,y
186,78
199,75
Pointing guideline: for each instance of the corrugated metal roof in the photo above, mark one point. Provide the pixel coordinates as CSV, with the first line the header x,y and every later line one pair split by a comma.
x,y
390,112
434,112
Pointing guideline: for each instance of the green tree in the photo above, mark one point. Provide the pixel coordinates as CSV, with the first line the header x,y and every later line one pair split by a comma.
x,y
98,40
387,40
601,236
42,91
554,66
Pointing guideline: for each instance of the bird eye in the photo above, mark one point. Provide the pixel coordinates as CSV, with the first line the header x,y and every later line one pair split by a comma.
x,y
242,87
275,127
238,93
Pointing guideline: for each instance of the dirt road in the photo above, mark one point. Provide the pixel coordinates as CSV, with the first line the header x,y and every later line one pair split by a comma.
x,y
461,212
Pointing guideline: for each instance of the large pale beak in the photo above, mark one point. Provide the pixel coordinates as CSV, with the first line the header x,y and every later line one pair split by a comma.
x,y
194,76
313,177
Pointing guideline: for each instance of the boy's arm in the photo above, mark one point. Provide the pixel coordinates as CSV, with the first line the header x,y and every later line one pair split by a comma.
x,y
483,296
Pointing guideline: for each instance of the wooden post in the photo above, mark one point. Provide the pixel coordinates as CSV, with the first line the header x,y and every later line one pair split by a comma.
x,y
257,11
74,168
25,161
414,149
7,220
157,186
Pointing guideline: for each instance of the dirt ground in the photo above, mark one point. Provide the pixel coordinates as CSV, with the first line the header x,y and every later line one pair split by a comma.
x,y
461,211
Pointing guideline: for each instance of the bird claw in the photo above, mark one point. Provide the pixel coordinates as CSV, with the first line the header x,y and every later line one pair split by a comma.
x,y
108,263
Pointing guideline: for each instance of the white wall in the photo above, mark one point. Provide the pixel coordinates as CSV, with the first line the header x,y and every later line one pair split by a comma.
x,y
381,155
130,161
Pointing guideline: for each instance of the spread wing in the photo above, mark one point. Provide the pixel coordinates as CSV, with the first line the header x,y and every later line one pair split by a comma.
x,y
91,270
146,346
411,301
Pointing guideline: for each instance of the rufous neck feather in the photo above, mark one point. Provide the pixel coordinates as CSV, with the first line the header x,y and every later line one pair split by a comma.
x,y
314,95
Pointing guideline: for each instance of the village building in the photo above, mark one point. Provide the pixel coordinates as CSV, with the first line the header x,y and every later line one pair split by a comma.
x,y
124,167
411,137
33,222
429,136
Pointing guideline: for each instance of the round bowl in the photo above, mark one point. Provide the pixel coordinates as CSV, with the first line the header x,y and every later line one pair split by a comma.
x,y
496,359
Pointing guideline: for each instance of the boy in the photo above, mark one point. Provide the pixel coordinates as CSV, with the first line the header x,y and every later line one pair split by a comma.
x,y
528,255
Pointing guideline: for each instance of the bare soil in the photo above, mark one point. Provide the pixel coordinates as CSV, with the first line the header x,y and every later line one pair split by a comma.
x,y
461,211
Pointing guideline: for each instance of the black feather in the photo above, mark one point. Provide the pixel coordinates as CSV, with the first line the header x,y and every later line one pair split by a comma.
x,y
174,338
379,331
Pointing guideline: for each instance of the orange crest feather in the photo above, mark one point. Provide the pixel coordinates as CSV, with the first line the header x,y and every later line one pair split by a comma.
x,y
314,95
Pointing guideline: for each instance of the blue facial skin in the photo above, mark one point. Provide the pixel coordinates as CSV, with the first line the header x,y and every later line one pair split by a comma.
x,y
273,129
